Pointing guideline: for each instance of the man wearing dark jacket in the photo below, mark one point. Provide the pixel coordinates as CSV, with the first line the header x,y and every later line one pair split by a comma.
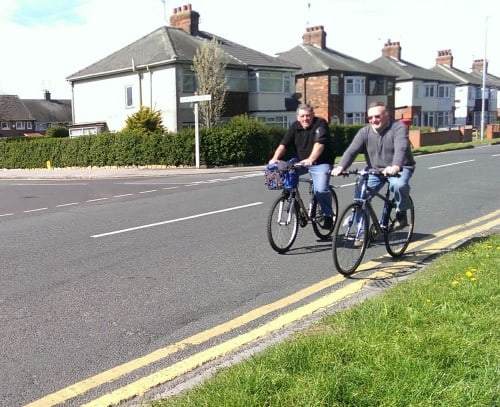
x,y
386,147
313,144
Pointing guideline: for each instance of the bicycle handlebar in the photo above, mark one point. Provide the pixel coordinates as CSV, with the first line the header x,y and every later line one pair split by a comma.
x,y
371,171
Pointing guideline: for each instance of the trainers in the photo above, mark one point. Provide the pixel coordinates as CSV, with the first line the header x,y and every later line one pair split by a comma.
x,y
401,220
358,242
327,223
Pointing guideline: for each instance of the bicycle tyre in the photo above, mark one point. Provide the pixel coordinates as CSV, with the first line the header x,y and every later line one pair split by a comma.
x,y
318,219
397,241
281,232
346,254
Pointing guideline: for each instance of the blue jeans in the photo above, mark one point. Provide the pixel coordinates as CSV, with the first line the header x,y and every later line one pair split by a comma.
x,y
320,175
399,187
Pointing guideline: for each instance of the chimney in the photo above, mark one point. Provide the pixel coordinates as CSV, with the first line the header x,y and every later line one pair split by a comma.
x,y
477,66
46,94
444,58
315,36
186,19
392,49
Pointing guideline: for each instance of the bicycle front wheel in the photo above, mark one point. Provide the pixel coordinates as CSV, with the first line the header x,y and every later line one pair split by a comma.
x,y
398,236
283,224
318,217
350,239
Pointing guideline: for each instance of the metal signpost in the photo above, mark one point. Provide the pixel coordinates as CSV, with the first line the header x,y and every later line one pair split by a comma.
x,y
195,100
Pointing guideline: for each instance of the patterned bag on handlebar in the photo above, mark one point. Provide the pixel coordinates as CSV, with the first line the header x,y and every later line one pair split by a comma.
x,y
273,178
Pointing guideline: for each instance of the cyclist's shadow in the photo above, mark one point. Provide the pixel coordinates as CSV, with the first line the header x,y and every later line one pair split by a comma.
x,y
323,246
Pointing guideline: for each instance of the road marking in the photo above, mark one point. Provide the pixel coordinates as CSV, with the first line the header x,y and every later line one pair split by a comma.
x,y
96,199
36,210
6,214
496,155
170,188
122,195
110,375
148,192
41,185
448,165
67,204
176,220
347,185
164,375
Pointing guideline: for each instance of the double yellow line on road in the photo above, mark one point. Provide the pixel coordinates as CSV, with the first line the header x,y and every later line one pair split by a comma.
x,y
383,268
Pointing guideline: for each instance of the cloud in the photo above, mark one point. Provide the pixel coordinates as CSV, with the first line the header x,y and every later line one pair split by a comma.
x,y
46,12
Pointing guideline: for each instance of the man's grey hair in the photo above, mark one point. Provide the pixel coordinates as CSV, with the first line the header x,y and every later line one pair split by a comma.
x,y
377,104
306,107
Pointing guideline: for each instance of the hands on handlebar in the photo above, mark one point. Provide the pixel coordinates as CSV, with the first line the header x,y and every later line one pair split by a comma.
x,y
390,171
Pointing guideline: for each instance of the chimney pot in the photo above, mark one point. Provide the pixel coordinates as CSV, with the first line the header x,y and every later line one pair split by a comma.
x,y
392,49
185,18
315,36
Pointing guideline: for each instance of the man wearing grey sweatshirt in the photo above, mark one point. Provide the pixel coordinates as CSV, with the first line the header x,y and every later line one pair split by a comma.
x,y
386,147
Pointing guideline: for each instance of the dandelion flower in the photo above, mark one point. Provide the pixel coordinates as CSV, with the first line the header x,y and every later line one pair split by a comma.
x,y
454,283
469,274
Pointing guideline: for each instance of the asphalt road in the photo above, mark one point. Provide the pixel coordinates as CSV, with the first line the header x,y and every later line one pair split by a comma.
x,y
185,253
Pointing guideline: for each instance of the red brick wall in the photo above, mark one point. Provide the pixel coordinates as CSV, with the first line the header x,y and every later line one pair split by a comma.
x,y
419,139
492,131
316,93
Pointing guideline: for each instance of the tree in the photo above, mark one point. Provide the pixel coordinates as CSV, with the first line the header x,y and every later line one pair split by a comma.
x,y
145,120
209,67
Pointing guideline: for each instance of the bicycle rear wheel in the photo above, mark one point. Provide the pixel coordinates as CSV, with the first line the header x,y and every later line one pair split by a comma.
x,y
397,239
283,224
318,218
350,239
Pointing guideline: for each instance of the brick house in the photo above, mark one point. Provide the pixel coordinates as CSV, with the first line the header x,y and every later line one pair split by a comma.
x,y
422,95
338,86
468,91
156,71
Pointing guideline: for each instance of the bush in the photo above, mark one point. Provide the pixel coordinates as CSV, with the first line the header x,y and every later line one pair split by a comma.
x,y
145,120
57,131
241,141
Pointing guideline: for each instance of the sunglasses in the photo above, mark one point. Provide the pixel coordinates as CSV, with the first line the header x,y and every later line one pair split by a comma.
x,y
377,116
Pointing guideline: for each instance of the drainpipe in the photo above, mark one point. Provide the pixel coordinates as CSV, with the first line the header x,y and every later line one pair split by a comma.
x,y
73,102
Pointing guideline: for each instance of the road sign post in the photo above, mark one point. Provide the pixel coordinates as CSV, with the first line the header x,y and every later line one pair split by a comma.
x,y
195,100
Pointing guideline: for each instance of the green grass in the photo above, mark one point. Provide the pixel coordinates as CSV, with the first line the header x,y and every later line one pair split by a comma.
x,y
430,341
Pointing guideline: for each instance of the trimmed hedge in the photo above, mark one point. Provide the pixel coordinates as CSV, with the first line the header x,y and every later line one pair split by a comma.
x,y
241,141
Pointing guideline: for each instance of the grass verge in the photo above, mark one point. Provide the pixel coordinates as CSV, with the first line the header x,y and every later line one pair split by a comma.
x,y
431,341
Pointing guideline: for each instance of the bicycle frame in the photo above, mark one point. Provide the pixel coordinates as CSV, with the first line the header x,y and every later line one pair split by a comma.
x,y
366,195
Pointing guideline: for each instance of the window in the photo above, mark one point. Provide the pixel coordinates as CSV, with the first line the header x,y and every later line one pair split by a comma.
x,y
252,82
428,119
354,118
188,80
129,100
276,121
5,126
270,82
390,88
377,87
29,126
334,85
354,86
429,91
236,81
287,83
443,91
19,125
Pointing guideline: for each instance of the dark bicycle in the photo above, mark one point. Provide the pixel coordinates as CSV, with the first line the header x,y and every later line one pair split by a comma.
x,y
354,232
288,211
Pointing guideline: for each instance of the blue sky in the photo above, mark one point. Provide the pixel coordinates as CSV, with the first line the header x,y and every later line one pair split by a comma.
x,y
46,12
52,39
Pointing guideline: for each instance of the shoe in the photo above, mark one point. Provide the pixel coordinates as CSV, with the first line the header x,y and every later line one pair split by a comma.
x,y
401,220
358,242
327,223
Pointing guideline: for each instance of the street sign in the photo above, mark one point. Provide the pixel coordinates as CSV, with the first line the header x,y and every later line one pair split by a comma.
x,y
195,98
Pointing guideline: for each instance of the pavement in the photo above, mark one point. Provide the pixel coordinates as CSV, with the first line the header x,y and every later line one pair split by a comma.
x,y
116,172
